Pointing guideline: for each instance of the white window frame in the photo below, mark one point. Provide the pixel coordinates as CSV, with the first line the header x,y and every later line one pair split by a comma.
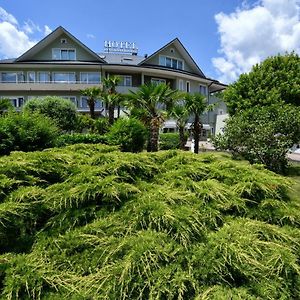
x,y
180,85
164,57
81,81
80,102
160,80
17,98
53,75
33,72
21,73
63,49
122,81
37,77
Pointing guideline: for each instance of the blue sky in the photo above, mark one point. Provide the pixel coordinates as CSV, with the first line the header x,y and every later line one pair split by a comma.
x,y
225,37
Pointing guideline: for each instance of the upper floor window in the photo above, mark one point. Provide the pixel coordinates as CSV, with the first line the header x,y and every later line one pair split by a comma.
x,y
63,54
12,77
43,76
125,80
171,62
90,77
64,77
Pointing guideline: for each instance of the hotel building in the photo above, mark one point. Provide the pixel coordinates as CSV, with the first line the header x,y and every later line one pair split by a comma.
x,y
61,65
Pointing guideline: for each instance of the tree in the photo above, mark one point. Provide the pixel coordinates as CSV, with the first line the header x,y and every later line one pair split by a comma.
x,y
180,113
262,135
151,98
196,104
60,110
110,96
5,105
92,95
276,80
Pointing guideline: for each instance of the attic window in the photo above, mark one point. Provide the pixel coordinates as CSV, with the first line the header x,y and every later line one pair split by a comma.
x,y
172,50
171,62
63,41
63,54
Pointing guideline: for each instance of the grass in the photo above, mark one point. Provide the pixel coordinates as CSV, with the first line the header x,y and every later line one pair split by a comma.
x,y
90,222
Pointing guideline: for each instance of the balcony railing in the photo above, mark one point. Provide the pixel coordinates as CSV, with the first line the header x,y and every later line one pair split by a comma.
x,y
46,86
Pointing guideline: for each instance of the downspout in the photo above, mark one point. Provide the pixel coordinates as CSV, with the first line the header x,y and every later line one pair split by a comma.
x,y
208,97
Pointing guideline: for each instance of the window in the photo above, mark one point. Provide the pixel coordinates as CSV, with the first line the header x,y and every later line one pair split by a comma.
x,y
203,90
63,54
31,76
180,85
188,87
125,80
16,101
12,77
73,99
170,62
158,81
64,77
83,104
90,77
43,77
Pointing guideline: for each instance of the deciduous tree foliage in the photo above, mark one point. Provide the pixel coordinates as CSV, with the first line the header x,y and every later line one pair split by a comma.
x,y
262,135
276,80
62,111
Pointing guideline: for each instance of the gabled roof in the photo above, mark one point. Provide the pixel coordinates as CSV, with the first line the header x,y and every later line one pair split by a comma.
x,y
29,55
184,53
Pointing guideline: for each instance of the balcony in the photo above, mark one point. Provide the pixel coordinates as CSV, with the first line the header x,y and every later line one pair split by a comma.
x,y
45,86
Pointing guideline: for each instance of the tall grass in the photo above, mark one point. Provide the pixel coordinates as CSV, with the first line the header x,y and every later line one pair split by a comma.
x,y
90,222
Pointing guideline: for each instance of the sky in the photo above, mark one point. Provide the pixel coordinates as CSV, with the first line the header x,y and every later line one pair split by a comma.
x,y
225,37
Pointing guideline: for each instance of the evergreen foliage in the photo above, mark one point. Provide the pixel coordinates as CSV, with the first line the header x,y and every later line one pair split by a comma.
x,y
91,222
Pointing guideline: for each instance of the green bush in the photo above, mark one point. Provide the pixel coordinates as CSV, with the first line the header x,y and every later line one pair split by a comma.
x,y
130,134
26,132
91,222
169,141
262,135
80,138
101,126
60,110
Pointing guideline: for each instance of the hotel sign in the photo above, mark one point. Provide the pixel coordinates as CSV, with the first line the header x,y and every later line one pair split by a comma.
x,y
123,47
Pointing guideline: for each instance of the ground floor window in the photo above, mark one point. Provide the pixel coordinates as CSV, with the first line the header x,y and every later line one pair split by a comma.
x,y
158,80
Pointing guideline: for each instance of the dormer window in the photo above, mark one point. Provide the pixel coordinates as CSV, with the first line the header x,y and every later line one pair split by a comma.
x,y
63,54
171,62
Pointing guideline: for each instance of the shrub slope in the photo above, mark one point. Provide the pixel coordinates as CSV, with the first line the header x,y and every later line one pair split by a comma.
x,y
90,222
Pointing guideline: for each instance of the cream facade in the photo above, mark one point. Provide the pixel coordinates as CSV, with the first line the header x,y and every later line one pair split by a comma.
x,y
61,65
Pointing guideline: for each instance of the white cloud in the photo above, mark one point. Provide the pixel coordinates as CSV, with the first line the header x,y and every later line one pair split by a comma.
x,y
90,36
16,39
13,42
6,17
30,27
47,30
251,34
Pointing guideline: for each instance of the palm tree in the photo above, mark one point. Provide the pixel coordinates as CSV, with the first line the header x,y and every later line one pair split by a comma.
x,y
151,98
110,96
180,113
196,105
92,94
